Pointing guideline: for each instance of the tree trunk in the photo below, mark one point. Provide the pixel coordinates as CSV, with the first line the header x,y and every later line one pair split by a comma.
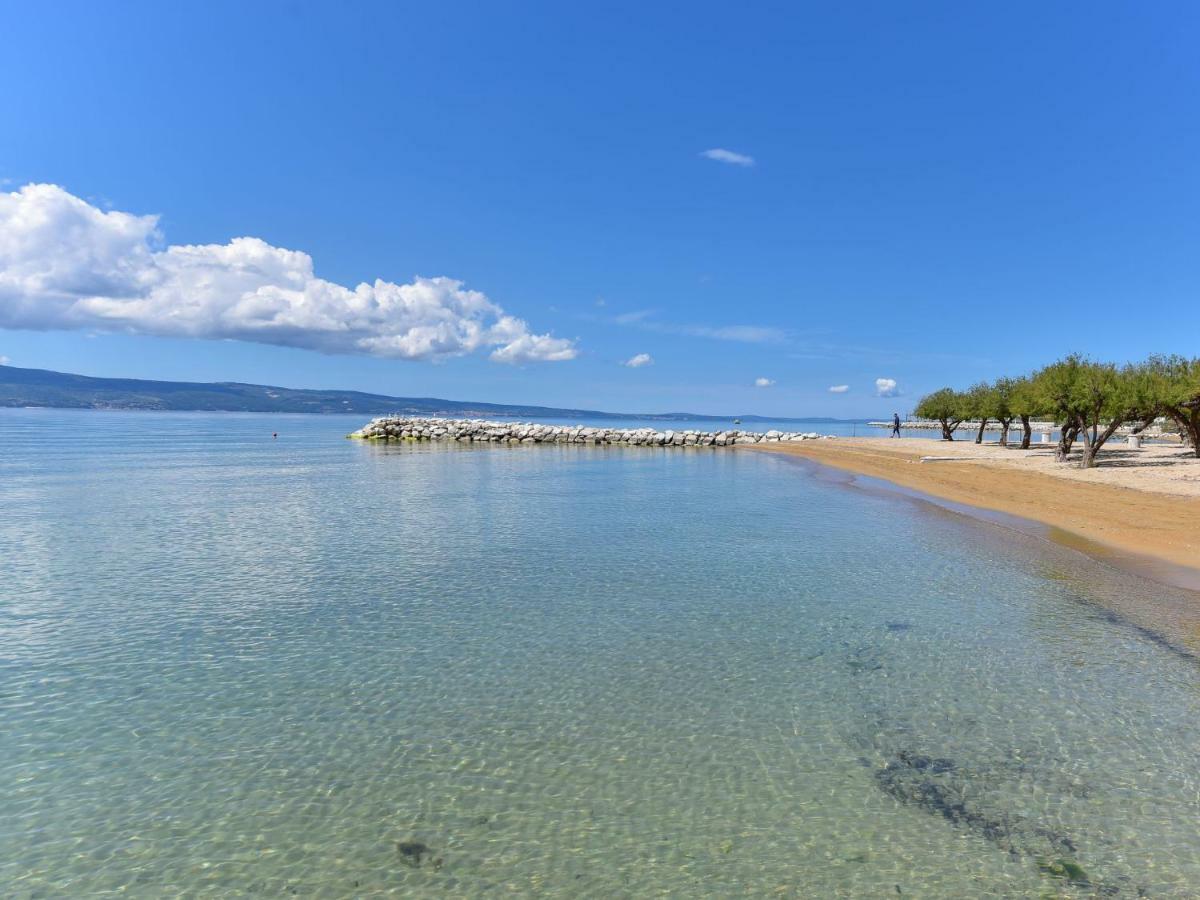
x,y
1085,458
982,425
1026,432
1070,431
1188,421
947,430
1092,443
1004,423
1191,429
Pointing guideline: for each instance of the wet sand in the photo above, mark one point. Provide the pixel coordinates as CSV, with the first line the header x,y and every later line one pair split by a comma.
x,y
1137,506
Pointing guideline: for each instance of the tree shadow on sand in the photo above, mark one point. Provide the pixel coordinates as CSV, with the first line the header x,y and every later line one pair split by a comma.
x,y
1133,459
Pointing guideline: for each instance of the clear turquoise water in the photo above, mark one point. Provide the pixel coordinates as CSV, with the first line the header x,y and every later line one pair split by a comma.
x,y
231,665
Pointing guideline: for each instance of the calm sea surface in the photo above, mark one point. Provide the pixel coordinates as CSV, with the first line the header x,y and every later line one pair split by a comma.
x,y
232,665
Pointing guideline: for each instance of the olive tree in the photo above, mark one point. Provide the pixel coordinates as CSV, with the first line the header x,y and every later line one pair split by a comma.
x,y
1055,389
1093,400
947,406
1000,405
1023,402
1107,398
1178,385
978,406
1089,401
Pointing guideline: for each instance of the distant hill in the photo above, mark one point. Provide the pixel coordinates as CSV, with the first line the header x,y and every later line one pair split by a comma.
x,y
41,387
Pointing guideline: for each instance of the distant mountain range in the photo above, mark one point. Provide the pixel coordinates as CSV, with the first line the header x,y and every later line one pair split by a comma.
x,y
41,387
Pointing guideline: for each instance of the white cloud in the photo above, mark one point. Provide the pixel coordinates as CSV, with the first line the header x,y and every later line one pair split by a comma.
x,y
4,360
749,334
633,318
763,382
728,156
886,387
636,362
65,264
839,389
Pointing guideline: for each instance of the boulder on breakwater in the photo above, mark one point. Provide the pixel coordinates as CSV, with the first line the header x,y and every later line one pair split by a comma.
x,y
400,428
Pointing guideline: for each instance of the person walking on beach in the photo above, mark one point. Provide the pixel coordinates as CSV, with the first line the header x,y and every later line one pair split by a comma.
x,y
895,425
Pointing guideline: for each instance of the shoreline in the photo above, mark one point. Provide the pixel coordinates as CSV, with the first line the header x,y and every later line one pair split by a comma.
x,y
1153,532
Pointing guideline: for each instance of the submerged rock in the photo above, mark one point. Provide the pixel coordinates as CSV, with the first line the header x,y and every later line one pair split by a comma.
x,y
411,852
1064,868
978,788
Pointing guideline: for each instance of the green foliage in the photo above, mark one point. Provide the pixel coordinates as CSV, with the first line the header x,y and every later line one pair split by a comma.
x,y
1175,383
977,402
946,405
1099,393
1055,389
1086,398
1000,400
1142,392
1176,380
1023,397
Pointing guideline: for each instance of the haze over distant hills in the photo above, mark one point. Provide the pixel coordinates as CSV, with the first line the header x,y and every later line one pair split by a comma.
x,y
41,387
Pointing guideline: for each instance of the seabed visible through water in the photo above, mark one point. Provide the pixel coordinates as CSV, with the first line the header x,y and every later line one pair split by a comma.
x,y
314,667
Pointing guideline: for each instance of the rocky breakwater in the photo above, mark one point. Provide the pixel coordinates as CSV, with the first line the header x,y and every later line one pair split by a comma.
x,y
478,431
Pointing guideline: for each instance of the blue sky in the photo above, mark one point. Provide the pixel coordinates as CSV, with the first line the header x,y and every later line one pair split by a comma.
x,y
939,193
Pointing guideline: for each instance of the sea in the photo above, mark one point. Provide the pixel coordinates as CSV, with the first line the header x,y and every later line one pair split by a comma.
x,y
241,655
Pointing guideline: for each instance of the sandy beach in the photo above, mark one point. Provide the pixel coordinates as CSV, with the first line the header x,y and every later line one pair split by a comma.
x,y
1137,501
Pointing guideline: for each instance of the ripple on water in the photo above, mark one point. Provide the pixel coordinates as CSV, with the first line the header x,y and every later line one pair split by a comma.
x,y
234,666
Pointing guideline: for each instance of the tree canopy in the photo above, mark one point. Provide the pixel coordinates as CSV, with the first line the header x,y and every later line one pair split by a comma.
x,y
1089,401
947,406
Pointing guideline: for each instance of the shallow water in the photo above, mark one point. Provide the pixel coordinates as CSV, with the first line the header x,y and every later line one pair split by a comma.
x,y
235,665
